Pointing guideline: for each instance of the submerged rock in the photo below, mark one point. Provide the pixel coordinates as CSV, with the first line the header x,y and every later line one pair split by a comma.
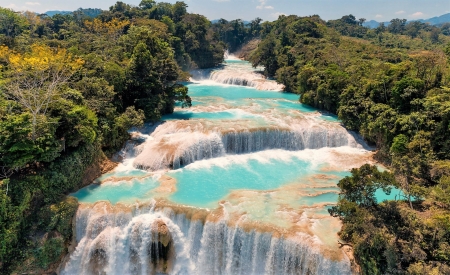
x,y
162,232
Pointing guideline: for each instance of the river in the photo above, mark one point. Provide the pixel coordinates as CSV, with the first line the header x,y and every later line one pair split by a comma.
x,y
240,183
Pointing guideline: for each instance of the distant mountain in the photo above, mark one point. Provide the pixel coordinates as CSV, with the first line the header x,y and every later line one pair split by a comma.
x,y
217,20
86,12
372,24
90,12
51,13
438,20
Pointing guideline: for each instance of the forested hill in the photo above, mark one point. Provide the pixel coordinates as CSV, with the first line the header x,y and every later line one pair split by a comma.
x,y
70,88
436,21
80,12
392,85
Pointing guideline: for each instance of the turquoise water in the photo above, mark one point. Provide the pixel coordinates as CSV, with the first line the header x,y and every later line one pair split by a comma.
x,y
187,114
238,97
329,117
231,92
205,186
395,194
121,191
323,198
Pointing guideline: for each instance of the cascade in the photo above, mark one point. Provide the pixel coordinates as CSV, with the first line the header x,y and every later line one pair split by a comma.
x,y
238,184
250,79
234,73
145,240
177,143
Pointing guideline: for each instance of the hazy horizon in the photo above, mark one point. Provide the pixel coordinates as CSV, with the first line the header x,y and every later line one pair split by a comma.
x,y
380,10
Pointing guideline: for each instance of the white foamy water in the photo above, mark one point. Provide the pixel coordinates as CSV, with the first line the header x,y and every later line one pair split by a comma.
x,y
178,143
235,72
240,184
129,241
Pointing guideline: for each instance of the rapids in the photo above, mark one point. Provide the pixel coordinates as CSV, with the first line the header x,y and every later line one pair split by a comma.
x,y
240,183
236,74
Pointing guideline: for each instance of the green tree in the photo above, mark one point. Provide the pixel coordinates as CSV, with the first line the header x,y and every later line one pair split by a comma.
x,y
265,55
397,26
147,4
11,24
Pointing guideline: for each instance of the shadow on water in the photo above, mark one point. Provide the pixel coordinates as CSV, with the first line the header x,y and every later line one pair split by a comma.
x,y
84,193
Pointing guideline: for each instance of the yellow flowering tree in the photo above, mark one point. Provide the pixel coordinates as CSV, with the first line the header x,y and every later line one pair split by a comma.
x,y
34,79
113,29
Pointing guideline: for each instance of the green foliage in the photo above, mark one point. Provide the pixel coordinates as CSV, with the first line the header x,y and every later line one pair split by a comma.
x,y
114,137
399,144
59,217
236,33
405,91
82,123
17,148
49,252
389,237
98,94
265,56
11,224
349,26
361,186
390,84
11,25
147,4
151,73
35,200
130,118
199,42
97,74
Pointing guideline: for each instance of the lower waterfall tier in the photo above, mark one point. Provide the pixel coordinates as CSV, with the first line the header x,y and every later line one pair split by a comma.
x,y
149,240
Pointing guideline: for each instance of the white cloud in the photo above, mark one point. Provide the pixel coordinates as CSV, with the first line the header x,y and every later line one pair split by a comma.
x,y
378,16
15,7
262,5
277,14
417,14
30,6
400,12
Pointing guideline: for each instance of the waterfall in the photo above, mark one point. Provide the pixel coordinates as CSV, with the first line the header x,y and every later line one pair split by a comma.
x,y
236,74
230,56
249,79
176,144
267,212
148,241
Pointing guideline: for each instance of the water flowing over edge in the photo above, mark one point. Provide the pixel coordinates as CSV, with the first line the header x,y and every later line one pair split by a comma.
x,y
172,239
175,144
233,74
152,239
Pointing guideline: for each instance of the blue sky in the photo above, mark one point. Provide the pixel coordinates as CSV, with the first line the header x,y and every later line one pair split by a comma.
x,y
380,10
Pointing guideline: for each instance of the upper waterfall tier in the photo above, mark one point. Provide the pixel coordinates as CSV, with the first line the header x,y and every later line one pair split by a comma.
x,y
237,72
178,143
117,240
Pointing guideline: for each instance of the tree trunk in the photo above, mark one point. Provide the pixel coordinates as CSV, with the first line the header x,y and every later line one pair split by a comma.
x,y
33,129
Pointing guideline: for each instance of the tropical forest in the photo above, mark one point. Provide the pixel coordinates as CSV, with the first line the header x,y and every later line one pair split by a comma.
x,y
145,139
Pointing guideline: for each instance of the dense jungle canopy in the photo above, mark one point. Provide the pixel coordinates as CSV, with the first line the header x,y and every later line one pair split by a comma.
x,y
72,85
